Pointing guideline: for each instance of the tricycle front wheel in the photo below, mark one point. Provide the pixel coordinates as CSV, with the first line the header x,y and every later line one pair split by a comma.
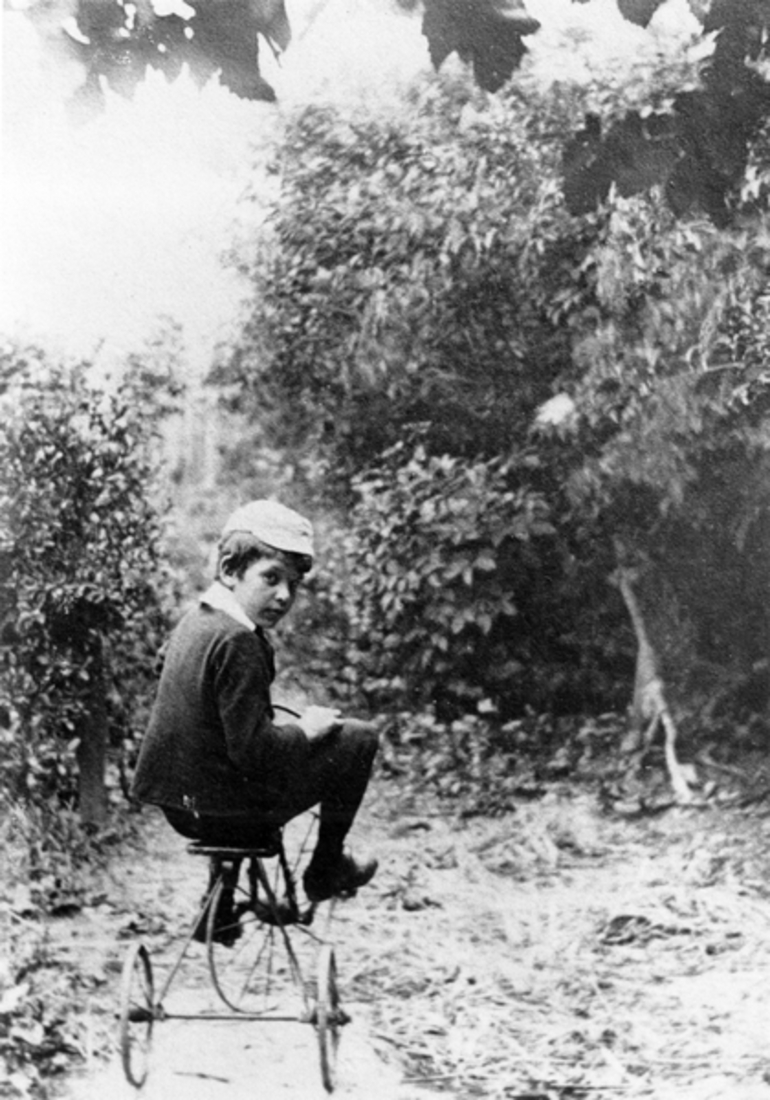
x,y
252,962
329,1016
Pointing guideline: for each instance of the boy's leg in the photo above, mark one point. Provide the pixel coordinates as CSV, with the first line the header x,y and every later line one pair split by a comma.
x,y
344,776
332,772
334,775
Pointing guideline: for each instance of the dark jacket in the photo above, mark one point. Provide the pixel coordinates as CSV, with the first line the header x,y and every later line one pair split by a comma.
x,y
211,746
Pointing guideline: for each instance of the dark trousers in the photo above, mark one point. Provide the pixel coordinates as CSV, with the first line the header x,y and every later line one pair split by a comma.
x,y
332,772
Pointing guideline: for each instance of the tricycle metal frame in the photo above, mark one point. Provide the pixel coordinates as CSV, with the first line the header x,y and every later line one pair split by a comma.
x,y
252,962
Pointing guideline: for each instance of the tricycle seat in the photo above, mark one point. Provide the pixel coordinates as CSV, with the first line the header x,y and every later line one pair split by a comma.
x,y
272,846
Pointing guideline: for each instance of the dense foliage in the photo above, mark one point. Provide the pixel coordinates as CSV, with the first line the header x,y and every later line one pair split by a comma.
x,y
696,139
117,43
414,275
670,434
82,578
503,397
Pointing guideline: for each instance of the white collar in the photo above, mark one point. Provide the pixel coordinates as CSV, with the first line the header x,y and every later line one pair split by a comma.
x,y
221,598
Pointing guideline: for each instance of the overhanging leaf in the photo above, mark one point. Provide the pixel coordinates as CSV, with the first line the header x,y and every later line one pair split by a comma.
x,y
639,12
487,33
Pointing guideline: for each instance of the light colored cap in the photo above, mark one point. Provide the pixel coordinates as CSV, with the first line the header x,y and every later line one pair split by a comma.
x,y
275,524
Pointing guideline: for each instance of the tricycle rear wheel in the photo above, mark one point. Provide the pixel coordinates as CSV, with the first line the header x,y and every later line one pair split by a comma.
x,y
137,1014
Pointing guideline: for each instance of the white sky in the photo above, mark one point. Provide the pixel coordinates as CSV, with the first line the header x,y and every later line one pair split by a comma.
x,y
106,226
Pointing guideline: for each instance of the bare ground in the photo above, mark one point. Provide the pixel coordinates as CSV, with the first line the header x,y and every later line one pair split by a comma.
x,y
558,950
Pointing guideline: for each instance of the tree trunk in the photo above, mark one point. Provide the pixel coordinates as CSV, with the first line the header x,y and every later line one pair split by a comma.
x,y
92,750
649,708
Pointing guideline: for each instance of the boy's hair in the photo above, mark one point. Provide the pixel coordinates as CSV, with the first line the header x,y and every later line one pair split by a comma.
x,y
241,549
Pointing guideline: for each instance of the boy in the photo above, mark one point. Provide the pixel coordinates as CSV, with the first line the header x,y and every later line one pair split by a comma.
x,y
213,758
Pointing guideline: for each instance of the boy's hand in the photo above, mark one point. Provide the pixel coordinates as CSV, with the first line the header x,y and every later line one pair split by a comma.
x,y
319,721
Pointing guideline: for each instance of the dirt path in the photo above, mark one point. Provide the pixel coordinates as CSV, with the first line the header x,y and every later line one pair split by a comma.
x,y
555,951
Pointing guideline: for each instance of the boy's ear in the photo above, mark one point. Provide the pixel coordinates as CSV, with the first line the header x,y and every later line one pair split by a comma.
x,y
227,576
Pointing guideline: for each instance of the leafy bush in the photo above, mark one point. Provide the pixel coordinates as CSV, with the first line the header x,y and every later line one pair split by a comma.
x,y
408,279
82,578
464,596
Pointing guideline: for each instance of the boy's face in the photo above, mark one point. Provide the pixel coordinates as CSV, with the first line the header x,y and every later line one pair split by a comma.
x,y
266,591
